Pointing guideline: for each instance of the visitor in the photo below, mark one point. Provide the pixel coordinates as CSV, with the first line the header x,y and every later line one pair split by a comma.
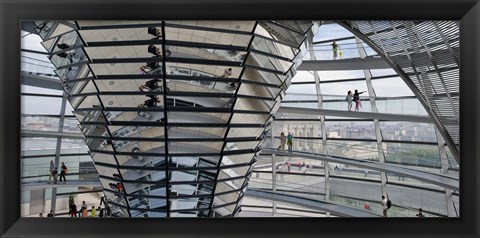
x,y
356,98
154,50
155,32
84,205
50,214
366,206
384,205
63,172
283,140
55,175
349,100
420,214
335,48
93,212
63,46
100,212
73,210
227,73
288,166
52,167
103,200
120,187
40,215
152,102
150,85
366,173
289,142
84,212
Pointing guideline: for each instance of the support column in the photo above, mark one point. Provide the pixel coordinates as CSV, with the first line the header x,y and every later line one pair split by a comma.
x,y
322,118
274,183
444,170
58,149
376,122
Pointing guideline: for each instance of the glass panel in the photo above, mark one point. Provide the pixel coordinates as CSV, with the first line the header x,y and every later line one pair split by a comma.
x,y
391,87
263,77
249,118
246,26
205,53
410,154
132,100
68,57
408,131
352,149
268,62
202,86
200,147
258,90
353,130
202,70
237,159
231,146
87,102
274,48
127,68
198,132
41,105
253,104
104,158
303,88
197,117
245,132
236,172
141,161
120,34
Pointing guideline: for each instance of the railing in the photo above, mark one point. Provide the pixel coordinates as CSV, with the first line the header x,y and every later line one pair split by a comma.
x,y
300,189
346,51
38,67
358,150
394,105
35,173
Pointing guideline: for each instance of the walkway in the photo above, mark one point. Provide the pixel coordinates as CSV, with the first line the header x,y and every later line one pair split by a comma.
x,y
70,183
364,115
334,209
344,64
437,179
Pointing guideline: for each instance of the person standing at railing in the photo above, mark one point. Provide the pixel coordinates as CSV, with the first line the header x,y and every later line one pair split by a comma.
x,y
283,140
84,212
289,142
63,172
51,214
73,210
93,213
356,98
420,214
384,205
349,99
52,167
366,206
335,48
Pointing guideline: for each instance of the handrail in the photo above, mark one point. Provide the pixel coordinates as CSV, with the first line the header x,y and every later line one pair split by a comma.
x,y
408,211
364,149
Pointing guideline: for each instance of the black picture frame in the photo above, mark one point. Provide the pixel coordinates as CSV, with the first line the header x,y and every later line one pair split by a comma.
x,y
12,12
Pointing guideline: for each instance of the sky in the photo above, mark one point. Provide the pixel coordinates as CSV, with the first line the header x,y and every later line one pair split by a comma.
x,y
390,87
